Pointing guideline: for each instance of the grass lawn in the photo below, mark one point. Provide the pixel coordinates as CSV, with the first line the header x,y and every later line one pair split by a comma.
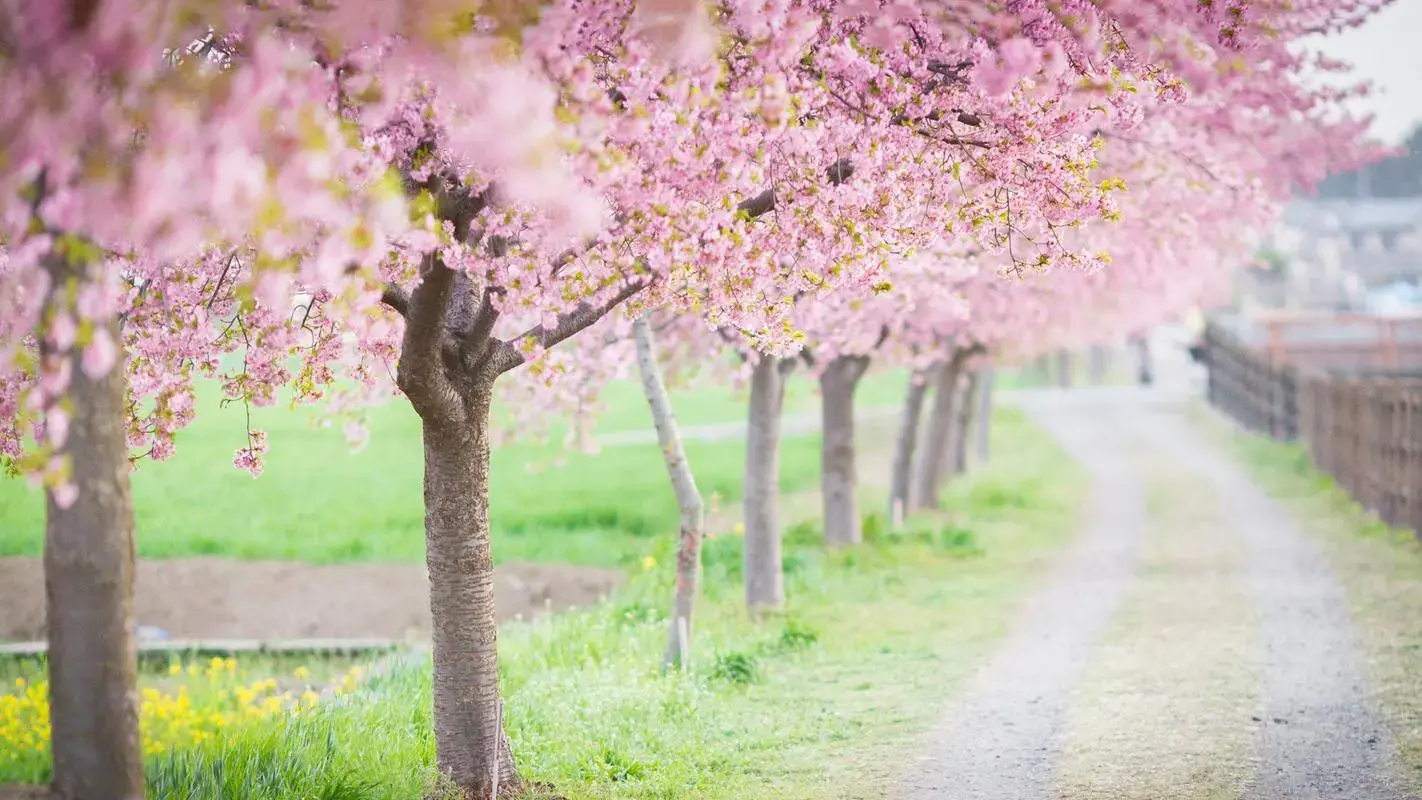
x,y
824,701
318,502
1380,567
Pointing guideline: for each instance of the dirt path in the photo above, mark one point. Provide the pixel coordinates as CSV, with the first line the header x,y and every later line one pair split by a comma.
x,y
226,598
1318,736
1279,709
999,743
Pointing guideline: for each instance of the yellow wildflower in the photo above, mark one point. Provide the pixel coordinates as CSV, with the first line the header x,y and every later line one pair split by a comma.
x,y
648,563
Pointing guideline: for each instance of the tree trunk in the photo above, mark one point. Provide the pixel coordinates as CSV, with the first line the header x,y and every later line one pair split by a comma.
x,y
838,480
470,746
1098,365
1143,349
984,416
967,403
934,454
1042,370
88,572
904,444
688,498
765,582
1064,370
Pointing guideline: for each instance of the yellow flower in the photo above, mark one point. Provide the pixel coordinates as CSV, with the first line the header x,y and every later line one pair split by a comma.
x,y
648,563
310,698
175,669
740,529
301,673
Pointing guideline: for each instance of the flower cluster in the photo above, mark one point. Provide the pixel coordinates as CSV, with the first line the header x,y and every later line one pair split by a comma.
x,y
192,704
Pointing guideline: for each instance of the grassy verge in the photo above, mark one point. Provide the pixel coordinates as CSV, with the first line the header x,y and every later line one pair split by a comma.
x,y
1163,712
824,701
1381,569
318,502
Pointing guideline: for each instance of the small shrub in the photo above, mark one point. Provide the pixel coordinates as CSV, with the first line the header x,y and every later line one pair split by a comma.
x,y
639,612
721,559
793,563
613,765
873,527
803,534
797,635
735,667
958,541
995,496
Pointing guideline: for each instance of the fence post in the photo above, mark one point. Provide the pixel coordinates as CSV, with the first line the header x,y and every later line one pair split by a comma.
x,y
1412,456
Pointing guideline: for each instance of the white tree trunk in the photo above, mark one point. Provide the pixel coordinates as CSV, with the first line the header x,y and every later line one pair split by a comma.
x,y
984,416
936,451
838,479
967,406
765,582
688,497
904,444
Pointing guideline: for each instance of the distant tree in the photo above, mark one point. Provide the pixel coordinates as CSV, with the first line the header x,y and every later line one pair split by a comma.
x,y
1396,176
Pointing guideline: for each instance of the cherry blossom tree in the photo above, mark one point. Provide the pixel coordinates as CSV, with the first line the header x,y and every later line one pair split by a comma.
x,y
459,187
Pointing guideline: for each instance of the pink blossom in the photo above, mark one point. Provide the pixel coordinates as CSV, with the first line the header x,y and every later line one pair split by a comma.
x,y
100,355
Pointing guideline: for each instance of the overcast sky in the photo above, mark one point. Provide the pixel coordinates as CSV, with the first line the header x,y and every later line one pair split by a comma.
x,y
1388,52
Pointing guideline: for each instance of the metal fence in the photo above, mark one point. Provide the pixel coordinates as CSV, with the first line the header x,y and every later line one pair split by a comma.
x,y
1355,402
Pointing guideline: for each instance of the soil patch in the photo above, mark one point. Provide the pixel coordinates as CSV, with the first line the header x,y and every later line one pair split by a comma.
x,y
225,598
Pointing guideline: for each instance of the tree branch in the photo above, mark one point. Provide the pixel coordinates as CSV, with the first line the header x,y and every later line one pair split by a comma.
x,y
397,298
420,374
764,203
511,354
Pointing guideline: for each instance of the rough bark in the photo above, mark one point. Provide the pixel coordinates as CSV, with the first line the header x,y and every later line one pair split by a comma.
x,y
967,406
765,583
688,497
935,452
838,479
469,744
449,361
451,390
984,416
88,569
904,444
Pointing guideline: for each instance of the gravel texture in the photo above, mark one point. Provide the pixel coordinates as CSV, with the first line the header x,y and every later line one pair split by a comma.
x,y
1318,737
1001,741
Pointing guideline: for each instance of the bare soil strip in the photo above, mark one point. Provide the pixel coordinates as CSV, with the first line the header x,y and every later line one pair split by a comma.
x,y
220,598
1001,740
1166,710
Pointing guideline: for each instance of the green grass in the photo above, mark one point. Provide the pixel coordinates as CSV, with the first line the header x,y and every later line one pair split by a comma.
x,y
824,701
318,502
1380,567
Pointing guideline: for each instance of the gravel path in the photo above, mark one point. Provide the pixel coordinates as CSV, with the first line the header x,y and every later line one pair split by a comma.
x,y
1000,743
1318,738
